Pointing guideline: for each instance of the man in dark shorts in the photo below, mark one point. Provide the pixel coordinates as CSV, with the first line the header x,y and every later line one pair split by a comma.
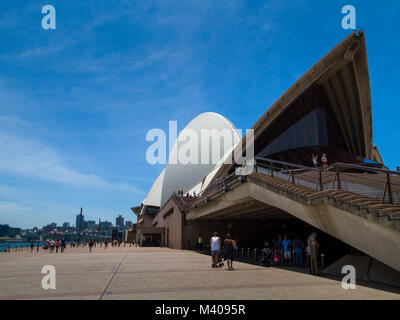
x,y
215,244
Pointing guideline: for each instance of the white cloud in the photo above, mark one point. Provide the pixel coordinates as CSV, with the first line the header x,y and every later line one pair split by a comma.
x,y
9,207
42,51
33,159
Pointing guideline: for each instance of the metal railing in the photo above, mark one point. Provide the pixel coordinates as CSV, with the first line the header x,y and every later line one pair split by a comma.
x,y
366,181
374,183
221,185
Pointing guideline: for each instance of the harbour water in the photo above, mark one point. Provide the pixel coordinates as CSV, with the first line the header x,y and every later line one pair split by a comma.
x,y
13,245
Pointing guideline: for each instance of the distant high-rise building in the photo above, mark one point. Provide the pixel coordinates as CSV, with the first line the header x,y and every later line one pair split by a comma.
x,y
91,225
105,225
78,221
119,221
128,224
65,225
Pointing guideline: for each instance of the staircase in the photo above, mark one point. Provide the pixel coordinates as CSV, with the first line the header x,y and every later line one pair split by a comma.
x,y
369,208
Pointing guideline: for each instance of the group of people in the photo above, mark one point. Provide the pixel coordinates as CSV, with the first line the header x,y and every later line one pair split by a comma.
x,y
180,193
284,251
52,245
60,244
324,160
229,252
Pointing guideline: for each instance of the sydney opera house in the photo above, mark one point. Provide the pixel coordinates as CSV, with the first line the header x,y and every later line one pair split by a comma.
x,y
353,203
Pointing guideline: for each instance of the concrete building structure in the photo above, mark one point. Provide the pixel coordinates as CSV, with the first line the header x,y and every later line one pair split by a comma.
x,y
354,202
119,221
78,221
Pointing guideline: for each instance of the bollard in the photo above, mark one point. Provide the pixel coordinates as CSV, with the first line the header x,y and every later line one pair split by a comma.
x,y
248,253
242,253
255,254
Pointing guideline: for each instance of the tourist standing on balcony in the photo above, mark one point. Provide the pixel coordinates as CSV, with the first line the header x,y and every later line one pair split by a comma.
x,y
215,244
315,160
324,160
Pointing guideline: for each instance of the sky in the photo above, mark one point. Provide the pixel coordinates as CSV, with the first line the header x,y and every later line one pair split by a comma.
x,y
76,102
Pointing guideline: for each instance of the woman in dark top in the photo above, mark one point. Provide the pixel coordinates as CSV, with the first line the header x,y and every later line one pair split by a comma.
x,y
229,251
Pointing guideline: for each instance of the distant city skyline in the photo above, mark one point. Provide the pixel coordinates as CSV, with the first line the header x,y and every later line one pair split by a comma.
x,y
68,224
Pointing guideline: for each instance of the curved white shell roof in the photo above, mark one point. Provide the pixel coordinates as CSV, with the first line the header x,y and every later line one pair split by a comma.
x,y
154,196
178,176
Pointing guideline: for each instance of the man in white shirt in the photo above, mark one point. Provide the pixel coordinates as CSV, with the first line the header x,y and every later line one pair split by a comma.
x,y
215,244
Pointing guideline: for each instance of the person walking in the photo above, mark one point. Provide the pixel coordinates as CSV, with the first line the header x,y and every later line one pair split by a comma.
x,y
37,247
229,251
91,243
57,244
32,245
51,246
63,244
298,247
287,248
215,244
313,245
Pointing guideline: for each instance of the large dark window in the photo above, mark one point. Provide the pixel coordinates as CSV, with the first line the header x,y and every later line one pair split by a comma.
x,y
308,131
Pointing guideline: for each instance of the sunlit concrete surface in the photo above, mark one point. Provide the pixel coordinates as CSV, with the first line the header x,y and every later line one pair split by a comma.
x,y
161,273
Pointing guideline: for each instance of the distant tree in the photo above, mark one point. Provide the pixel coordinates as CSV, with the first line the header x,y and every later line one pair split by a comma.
x,y
4,229
12,232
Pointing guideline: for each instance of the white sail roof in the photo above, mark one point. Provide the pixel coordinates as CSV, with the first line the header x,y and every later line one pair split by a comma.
x,y
193,176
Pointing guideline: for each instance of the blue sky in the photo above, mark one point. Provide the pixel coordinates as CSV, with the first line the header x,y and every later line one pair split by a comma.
x,y
76,102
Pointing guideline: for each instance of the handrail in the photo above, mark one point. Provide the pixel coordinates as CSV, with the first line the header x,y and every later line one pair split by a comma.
x,y
356,166
287,164
215,189
332,166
